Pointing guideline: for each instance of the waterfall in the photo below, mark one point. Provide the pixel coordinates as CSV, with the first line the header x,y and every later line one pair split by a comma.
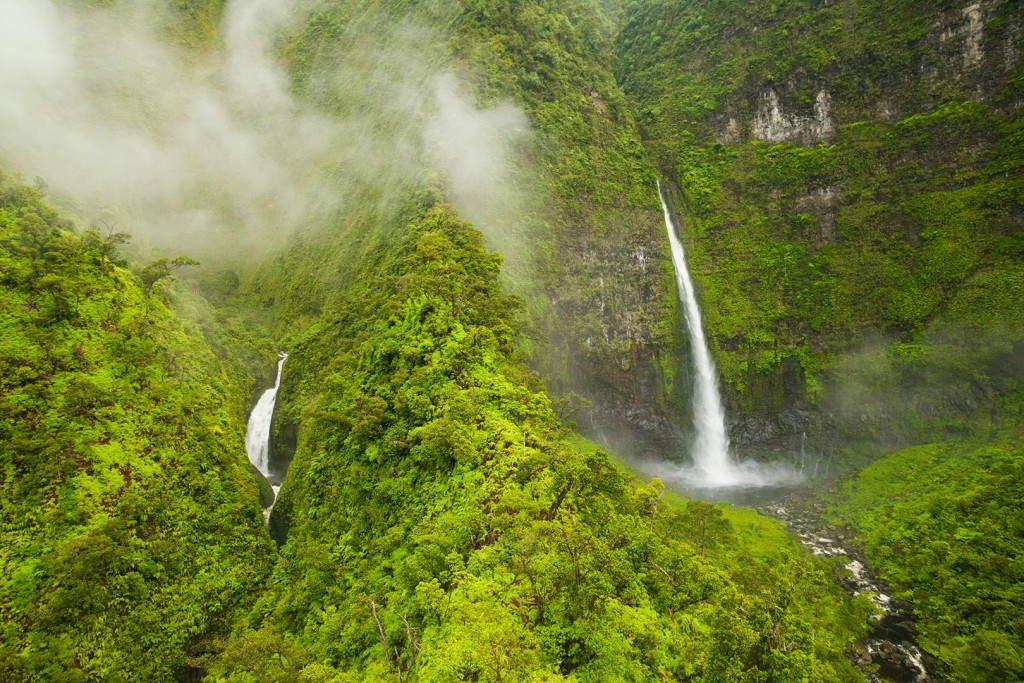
x,y
713,469
711,447
257,435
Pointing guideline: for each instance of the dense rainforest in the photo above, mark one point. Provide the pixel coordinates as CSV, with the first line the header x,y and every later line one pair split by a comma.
x,y
130,526
449,216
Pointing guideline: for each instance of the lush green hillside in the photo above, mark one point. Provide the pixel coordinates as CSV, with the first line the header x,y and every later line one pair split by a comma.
x,y
943,524
437,526
849,177
130,527
850,181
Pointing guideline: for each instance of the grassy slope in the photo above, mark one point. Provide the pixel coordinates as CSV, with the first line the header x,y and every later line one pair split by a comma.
x,y
130,521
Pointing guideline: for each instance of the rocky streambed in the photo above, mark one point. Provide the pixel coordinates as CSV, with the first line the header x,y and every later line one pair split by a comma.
x,y
890,653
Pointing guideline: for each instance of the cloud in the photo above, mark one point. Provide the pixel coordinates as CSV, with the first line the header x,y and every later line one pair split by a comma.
x,y
477,149
212,151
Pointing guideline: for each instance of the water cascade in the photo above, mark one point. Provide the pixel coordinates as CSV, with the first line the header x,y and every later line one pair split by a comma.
x,y
257,435
892,645
711,450
713,468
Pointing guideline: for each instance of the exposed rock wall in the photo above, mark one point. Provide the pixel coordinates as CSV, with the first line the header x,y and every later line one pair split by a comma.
x,y
771,124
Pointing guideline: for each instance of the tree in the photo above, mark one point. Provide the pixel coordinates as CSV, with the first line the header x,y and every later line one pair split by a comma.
x,y
162,269
706,523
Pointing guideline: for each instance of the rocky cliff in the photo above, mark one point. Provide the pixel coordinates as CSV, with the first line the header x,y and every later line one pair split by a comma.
x,y
849,181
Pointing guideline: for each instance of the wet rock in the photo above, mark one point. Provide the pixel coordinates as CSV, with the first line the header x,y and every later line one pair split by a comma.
x,y
899,627
266,490
898,662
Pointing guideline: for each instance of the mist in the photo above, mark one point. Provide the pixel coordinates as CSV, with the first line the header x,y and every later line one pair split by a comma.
x,y
484,187
896,393
208,151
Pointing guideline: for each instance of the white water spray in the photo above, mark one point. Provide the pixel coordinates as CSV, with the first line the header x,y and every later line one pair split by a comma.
x,y
257,435
712,466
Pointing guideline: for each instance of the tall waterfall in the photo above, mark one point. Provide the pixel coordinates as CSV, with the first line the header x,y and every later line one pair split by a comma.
x,y
257,435
711,447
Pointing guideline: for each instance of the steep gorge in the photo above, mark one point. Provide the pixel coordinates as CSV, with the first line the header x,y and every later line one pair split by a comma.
x,y
847,181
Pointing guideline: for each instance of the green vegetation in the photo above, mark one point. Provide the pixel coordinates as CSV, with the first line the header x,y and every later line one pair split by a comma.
x,y
130,528
943,524
437,526
608,315
583,237
850,178
194,23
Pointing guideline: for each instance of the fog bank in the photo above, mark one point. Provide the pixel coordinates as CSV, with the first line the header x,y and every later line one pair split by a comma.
x,y
208,151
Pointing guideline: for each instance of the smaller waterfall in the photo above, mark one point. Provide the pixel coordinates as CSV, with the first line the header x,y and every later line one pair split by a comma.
x,y
257,436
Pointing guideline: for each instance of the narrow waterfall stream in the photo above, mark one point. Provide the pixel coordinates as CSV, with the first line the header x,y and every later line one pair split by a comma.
x,y
711,450
713,469
257,434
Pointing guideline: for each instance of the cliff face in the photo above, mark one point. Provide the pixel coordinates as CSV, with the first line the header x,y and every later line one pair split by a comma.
x,y
915,59
609,327
849,177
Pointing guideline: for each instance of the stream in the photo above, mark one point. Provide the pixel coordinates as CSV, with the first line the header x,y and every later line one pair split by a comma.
x,y
890,653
